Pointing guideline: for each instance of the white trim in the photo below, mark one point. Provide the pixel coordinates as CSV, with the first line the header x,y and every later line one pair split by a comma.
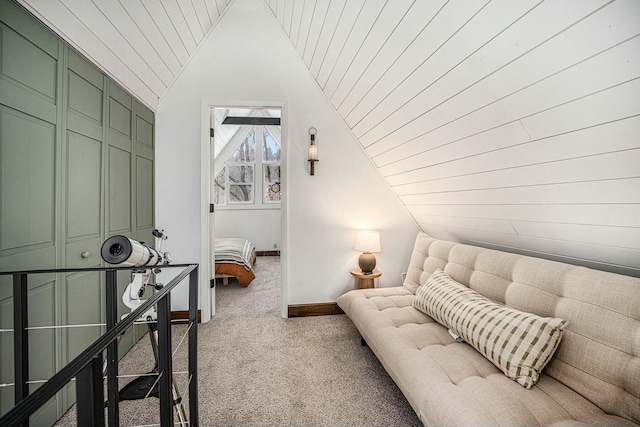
x,y
272,206
204,291
205,152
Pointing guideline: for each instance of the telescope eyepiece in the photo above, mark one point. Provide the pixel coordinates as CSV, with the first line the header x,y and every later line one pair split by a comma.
x,y
116,249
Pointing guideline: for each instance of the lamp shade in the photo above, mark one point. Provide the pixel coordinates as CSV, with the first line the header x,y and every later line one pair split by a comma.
x,y
367,241
313,153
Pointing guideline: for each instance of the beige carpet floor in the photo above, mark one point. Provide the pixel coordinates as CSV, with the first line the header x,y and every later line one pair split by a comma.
x,y
258,369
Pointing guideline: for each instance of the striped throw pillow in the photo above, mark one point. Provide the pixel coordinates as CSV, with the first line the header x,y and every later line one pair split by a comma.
x,y
518,343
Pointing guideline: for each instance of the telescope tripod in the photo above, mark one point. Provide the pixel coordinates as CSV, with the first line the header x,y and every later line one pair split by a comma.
x,y
147,385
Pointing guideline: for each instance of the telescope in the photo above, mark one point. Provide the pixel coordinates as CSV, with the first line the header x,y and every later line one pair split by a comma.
x,y
123,250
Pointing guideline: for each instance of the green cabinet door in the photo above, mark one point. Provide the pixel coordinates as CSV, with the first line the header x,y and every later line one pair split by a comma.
x,y
81,294
29,173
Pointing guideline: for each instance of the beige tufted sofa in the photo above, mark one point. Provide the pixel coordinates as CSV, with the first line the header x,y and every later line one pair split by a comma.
x,y
593,379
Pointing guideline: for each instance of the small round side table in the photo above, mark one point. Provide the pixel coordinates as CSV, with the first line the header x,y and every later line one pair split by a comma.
x,y
365,281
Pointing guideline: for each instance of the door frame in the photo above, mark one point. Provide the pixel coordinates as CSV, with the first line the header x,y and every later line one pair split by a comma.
x,y
205,293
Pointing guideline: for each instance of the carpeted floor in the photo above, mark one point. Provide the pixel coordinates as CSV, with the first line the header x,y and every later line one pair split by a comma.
x,y
258,369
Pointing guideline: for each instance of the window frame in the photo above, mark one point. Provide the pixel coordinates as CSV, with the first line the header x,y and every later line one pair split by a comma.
x,y
267,163
251,184
259,181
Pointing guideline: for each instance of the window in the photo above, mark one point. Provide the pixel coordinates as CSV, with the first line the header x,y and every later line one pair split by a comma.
x,y
236,183
220,187
240,183
270,148
246,152
272,183
271,167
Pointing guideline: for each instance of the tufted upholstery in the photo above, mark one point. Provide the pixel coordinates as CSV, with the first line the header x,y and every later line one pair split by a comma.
x,y
594,378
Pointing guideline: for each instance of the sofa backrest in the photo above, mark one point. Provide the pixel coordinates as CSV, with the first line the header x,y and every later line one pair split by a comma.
x,y
599,356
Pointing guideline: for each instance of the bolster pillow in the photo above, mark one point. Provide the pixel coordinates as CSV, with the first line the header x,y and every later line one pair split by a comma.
x,y
518,343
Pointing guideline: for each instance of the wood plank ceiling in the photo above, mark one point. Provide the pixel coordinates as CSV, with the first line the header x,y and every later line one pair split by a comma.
x,y
141,44
511,124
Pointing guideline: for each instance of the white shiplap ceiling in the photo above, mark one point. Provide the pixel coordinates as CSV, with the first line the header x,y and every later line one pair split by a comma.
x,y
511,124
141,44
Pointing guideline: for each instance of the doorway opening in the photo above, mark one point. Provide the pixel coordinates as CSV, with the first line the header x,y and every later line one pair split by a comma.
x,y
246,182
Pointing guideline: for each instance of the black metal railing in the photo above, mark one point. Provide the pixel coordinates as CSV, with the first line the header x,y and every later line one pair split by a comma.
x,y
87,367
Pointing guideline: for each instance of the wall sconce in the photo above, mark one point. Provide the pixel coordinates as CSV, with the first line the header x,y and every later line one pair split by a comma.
x,y
313,149
367,242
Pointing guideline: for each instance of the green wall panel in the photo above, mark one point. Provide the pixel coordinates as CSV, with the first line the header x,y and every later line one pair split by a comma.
x,y
86,70
119,118
6,355
14,17
84,201
144,193
42,312
119,191
27,171
84,295
27,64
144,132
84,98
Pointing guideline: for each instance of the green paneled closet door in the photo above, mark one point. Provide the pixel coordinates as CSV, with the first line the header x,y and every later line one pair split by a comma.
x,y
76,167
30,80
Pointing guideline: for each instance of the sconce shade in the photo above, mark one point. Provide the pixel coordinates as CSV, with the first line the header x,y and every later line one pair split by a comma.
x,y
367,241
313,153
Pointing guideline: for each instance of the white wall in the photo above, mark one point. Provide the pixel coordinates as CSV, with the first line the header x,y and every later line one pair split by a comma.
x,y
247,59
260,226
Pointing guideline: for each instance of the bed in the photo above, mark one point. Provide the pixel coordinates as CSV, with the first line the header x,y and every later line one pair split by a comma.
x,y
234,257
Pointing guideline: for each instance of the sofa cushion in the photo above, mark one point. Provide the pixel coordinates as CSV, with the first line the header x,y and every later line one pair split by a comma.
x,y
518,343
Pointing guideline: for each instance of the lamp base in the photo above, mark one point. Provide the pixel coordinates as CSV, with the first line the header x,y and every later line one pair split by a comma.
x,y
367,262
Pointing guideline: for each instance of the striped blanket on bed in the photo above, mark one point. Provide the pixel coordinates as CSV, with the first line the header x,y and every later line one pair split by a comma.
x,y
234,250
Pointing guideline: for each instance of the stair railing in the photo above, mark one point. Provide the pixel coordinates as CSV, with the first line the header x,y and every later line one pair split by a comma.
x,y
87,367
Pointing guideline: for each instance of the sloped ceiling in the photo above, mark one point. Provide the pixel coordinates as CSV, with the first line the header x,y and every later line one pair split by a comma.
x,y
226,132
141,44
508,124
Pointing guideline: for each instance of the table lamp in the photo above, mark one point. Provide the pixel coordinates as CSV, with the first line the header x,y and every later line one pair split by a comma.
x,y
367,242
